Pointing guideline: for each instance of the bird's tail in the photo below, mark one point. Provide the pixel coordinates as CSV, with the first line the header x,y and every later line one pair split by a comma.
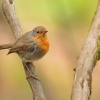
x,y
6,46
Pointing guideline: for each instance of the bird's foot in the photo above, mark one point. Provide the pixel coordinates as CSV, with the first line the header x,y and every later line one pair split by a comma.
x,y
32,75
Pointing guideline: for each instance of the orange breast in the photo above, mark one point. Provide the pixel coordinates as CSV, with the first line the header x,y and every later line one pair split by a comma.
x,y
43,43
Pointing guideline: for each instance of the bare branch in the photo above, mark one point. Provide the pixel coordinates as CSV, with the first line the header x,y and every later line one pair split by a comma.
x,y
9,12
6,46
82,83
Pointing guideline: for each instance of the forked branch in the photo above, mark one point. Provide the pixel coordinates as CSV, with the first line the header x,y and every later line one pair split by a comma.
x,y
9,12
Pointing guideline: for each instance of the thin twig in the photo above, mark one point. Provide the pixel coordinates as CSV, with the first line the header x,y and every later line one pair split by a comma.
x,y
6,46
9,12
83,76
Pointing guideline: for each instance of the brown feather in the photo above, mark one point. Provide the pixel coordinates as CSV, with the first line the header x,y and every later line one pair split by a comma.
x,y
22,46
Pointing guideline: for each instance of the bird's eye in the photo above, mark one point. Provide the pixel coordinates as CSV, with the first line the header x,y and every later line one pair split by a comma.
x,y
37,31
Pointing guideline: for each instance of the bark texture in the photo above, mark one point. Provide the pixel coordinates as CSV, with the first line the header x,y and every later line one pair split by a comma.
x,y
83,76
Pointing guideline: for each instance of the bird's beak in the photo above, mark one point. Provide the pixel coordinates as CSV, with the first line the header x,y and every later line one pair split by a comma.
x,y
45,31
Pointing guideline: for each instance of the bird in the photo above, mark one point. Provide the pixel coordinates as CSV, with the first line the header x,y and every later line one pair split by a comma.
x,y
31,46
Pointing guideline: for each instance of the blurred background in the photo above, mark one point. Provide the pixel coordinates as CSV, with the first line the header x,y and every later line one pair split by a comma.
x,y
68,23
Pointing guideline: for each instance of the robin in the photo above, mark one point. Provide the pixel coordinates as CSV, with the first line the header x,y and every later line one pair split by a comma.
x,y
31,46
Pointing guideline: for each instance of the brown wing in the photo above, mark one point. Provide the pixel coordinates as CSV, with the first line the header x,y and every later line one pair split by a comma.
x,y
24,43
22,46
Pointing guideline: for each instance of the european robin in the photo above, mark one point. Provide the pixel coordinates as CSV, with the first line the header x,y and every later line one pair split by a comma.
x,y
31,46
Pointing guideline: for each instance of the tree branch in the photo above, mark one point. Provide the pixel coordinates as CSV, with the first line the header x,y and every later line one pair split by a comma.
x,y
83,76
9,12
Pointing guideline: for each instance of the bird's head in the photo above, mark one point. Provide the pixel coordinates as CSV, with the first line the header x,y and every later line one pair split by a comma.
x,y
40,31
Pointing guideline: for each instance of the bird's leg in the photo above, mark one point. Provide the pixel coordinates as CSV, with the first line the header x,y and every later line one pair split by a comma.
x,y
32,65
30,73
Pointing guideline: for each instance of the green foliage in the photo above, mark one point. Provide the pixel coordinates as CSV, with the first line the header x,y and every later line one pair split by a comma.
x,y
98,49
61,12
